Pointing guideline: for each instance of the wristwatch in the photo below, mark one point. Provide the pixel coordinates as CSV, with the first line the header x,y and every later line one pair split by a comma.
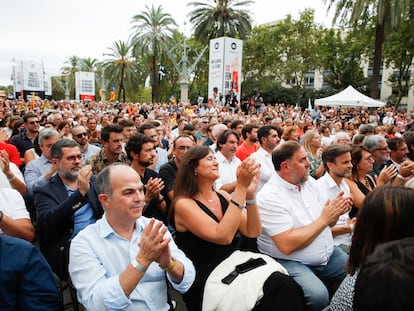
x,y
138,266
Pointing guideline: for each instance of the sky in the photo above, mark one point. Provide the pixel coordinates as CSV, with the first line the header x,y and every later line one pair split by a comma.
x,y
50,31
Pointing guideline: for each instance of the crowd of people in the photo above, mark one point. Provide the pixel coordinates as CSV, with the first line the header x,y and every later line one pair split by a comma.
x,y
119,199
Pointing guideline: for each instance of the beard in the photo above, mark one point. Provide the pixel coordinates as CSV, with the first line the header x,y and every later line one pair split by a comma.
x,y
69,175
146,163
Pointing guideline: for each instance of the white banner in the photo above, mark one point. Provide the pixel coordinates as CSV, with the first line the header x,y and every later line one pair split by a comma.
x,y
18,77
48,85
225,65
85,85
33,76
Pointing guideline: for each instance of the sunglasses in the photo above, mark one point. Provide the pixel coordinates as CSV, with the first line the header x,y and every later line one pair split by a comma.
x,y
80,135
34,122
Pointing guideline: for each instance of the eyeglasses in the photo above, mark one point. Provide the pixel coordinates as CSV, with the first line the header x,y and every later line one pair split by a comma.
x,y
80,135
383,149
34,122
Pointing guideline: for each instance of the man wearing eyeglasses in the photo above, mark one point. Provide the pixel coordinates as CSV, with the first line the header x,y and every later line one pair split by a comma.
x,y
65,205
80,135
24,140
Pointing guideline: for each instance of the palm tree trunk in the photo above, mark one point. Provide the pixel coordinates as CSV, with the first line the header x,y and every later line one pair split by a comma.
x,y
154,80
379,40
121,84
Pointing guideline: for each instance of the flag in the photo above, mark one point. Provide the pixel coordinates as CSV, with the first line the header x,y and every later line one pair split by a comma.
x,y
112,97
309,104
32,101
172,99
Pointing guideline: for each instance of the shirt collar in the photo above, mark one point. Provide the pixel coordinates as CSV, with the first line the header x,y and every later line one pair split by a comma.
x,y
288,185
106,230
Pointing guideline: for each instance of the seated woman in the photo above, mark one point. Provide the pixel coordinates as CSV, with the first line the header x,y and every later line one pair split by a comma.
x,y
361,183
207,221
391,268
312,144
386,215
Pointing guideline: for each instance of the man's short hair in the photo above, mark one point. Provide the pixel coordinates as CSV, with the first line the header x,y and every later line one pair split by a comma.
x,y
222,139
333,151
146,126
103,181
125,123
284,152
56,152
217,128
29,115
372,142
264,132
366,129
248,128
395,142
341,136
107,130
235,124
135,143
189,127
47,133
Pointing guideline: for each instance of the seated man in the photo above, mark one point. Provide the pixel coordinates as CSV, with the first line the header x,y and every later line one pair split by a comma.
x,y
65,205
296,225
121,261
26,281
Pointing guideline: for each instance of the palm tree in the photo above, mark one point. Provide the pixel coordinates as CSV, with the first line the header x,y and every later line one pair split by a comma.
x,y
219,18
387,13
153,28
119,66
72,65
89,64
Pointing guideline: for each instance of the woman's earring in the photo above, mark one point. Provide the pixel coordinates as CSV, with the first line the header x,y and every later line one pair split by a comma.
x,y
195,173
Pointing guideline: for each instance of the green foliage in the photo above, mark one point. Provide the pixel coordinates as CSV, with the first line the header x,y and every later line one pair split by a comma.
x,y
221,18
153,29
340,58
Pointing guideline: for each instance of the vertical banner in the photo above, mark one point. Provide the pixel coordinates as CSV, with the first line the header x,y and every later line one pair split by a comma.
x,y
18,79
225,65
33,76
48,85
85,85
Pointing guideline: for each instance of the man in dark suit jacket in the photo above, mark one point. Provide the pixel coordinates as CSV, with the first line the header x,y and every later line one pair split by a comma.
x,y
65,205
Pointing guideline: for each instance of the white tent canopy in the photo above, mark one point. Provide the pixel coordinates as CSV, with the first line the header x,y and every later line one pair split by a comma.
x,y
349,97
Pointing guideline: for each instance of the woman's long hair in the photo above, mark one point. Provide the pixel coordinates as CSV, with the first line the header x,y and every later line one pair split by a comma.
x,y
387,214
186,180
307,138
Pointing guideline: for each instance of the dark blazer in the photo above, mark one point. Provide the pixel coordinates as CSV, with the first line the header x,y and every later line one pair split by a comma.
x,y
55,220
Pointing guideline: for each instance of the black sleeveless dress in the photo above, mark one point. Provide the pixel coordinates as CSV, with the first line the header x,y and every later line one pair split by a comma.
x,y
365,190
204,255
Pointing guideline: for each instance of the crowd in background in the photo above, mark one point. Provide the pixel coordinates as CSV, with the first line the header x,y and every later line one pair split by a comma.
x,y
243,145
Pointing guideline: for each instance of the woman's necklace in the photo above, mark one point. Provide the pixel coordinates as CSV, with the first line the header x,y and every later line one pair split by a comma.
x,y
365,182
209,201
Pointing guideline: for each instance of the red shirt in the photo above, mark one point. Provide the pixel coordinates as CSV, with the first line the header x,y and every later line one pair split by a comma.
x,y
243,151
12,152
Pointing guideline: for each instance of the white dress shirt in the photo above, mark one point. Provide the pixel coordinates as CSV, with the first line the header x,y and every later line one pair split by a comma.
x,y
227,170
283,206
328,191
266,166
98,255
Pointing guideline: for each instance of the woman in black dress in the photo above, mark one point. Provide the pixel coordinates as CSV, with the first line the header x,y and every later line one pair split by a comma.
x,y
206,221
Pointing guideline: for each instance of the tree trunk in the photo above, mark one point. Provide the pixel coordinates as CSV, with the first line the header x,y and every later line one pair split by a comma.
x,y
154,80
379,40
